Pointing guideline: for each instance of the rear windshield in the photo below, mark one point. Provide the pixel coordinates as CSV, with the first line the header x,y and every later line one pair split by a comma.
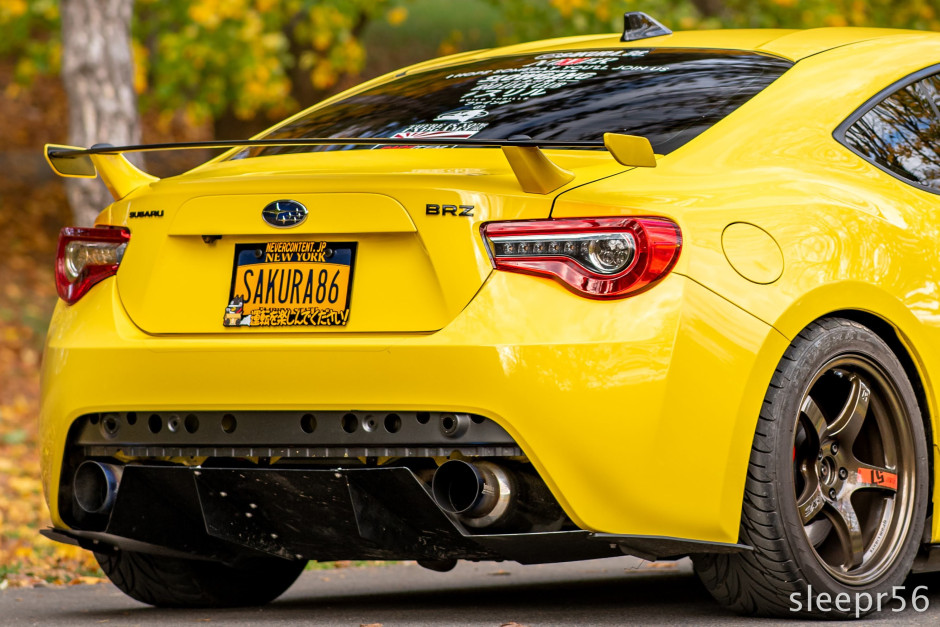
x,y
667,95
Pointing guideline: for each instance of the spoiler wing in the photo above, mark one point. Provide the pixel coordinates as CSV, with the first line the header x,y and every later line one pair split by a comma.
x,y
536,173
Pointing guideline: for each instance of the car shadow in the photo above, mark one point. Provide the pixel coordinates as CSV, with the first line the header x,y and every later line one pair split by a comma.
x,y
646,597
606,599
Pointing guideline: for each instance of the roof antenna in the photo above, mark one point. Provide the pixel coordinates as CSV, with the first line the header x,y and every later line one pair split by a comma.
x,y
639,25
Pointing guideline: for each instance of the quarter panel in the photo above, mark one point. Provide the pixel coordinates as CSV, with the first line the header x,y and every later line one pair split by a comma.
x,y
851,235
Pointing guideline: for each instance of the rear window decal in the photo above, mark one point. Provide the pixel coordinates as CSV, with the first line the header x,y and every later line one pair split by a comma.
x,y
668,95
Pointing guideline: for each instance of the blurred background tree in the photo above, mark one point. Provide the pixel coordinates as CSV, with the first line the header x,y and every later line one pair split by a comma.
x,y
218,61
98,76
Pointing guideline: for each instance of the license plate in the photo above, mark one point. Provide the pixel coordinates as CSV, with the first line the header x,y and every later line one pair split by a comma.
x,y
290,284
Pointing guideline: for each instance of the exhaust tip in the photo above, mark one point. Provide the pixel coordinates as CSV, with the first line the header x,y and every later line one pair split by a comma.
x,y
457,486
95,486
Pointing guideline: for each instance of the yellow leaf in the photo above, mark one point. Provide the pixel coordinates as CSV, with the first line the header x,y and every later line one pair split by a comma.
x,y
13,8
323,76
397,15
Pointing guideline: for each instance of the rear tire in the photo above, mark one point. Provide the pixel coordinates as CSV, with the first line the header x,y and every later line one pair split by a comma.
x,y
174,582
837,484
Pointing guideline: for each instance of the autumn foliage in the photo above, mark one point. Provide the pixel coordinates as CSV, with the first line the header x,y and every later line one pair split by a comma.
x,y
27,295
207,59
30,217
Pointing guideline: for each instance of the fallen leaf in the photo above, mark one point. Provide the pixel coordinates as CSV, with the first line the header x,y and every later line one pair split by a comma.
x,y
659,566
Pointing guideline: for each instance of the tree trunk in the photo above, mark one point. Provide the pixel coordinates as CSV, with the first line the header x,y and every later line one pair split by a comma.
x,y
98,73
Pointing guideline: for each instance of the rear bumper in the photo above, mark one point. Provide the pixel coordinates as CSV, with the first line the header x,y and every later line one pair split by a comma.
x,y
638,414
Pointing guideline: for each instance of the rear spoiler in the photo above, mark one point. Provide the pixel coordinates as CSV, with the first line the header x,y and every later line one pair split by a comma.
x,y
535,172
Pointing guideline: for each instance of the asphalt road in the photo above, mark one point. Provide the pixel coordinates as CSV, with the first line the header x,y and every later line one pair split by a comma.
x,y
601,592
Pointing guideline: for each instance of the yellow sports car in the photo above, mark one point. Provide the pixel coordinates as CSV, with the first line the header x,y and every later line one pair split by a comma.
x,y
661,294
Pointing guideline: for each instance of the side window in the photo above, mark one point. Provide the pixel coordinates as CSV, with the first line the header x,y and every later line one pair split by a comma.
x,y
902,133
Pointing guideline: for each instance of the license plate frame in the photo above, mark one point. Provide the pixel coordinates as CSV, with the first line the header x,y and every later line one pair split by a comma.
x,y
305,284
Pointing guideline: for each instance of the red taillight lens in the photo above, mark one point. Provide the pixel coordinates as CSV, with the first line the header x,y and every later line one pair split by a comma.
x,y
87,256
594,257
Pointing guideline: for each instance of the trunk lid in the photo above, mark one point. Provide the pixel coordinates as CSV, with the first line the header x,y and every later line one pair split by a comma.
x,y
395,266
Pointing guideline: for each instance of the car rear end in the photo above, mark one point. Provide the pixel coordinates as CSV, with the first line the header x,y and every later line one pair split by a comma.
x,y
341,352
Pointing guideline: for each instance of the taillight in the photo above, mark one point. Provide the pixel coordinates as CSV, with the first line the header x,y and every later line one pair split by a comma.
x,y
594,257
87,256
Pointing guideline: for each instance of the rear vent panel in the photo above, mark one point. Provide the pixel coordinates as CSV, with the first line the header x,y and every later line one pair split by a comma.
x,y
292,434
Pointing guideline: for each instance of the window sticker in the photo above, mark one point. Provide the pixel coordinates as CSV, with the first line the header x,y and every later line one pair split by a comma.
x,y
520,84
641,68
441,131
594,53
469,74
583,62
462,115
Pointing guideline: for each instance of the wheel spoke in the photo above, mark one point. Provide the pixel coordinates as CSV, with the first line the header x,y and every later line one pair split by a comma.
x,y
846,525
811,501
849,421
815,416
873,477
818,530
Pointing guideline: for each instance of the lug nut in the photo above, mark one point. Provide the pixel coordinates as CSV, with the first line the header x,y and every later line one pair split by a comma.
x,y
832,493
834,448
843,473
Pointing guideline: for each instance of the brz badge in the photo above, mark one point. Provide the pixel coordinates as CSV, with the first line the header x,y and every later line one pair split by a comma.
x,y
466,211
284,214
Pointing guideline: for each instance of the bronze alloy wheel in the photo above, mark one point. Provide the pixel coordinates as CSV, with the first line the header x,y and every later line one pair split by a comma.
x,y
836,491
853,469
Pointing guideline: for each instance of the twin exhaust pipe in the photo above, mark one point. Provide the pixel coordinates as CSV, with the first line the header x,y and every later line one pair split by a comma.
x,y
489,495
481,494
95,486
